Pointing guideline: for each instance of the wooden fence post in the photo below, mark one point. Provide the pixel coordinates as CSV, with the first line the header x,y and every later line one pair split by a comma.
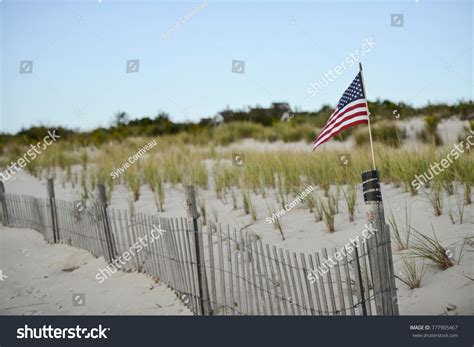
x,y
3,202
205,303
379,247
52,205
109,239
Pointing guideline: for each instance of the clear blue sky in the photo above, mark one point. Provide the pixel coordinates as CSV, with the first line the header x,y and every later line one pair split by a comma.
x,y
80,48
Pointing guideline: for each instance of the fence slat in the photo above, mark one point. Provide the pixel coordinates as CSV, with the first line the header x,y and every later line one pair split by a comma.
x,y
237,256
339,285
191,296
307,284
176,260
3,202
365,270
284,267
300,282
230,272
330,286
315,287
265,274
248,279
184,262
212,270
221,270
322,290
295,296
276,283
254,246
254,276
279,272
359,284
347,273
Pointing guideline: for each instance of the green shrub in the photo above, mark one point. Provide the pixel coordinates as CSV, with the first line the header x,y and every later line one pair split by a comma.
x,y
384,132
429,134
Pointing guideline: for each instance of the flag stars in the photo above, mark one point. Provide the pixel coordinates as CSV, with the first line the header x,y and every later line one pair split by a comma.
x,y
341,116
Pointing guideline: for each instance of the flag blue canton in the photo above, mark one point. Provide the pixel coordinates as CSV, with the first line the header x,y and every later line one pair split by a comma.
x,y
353,93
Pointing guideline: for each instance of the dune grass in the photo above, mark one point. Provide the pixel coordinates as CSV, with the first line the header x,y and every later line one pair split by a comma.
x,y
412,273
430,248
280,172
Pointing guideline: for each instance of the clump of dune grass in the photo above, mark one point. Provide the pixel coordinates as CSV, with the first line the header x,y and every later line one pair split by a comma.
x,y
75,180
350,197
84,191
460,208
281,196
173,167
225,177
202,209
318,209
102,176
68,176
451,215
253,210
198,172
276,221
155,182
412,273
435,197
430,249
463,173
234,199
310,202
133,182
84,159
246,201
329,212
401,242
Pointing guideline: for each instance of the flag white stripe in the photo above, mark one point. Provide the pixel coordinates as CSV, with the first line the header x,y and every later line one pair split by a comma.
x,y
344,116
336,112
336,129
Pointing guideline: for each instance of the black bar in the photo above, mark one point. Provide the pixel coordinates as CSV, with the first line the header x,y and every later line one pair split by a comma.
x,y
373,196
368,175
250,331
370,185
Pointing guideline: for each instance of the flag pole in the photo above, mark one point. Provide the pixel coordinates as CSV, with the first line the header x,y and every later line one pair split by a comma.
x,y
368,115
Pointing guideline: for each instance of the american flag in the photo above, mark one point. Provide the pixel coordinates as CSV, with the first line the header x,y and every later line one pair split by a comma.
x,y
350,111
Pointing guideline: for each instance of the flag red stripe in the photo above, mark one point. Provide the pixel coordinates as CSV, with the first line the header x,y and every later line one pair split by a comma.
x,y
361,121
338,121
337,114
337,130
